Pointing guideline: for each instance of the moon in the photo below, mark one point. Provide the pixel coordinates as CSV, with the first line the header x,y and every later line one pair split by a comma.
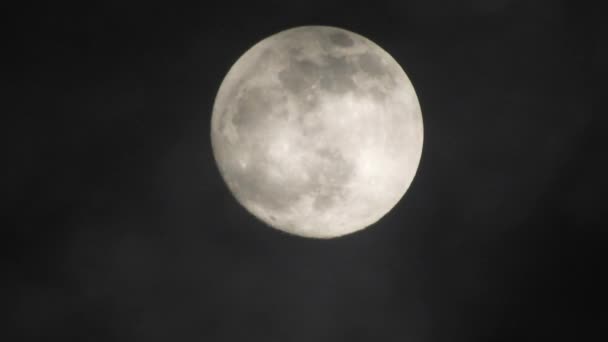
x,y
317,131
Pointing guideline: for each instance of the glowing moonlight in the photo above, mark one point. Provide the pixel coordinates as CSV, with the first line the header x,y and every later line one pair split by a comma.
x,y
317,131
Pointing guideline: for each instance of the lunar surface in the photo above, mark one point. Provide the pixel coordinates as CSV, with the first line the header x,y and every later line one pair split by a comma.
x,y
317,131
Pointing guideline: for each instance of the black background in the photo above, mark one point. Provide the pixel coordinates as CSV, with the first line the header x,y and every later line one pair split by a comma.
x,y
121,229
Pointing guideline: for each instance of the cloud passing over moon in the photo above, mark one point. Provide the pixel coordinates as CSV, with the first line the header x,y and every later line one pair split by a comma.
x,y
317,131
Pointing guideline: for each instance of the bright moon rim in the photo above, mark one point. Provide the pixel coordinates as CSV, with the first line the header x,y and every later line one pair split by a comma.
x,y
317,131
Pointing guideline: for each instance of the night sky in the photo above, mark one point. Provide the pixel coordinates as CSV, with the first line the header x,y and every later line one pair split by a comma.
x,y
121,228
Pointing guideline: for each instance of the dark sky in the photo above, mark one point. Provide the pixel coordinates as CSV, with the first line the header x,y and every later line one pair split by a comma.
x,y
121,228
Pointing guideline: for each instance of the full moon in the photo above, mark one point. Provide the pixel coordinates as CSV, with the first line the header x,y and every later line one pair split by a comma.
x,y
317,131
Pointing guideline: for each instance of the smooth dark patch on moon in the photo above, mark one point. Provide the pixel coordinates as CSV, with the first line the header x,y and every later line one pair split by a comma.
x,y
310,125
372,64
299,76
252,106
255,105
334,75
341,39
337,76
377,94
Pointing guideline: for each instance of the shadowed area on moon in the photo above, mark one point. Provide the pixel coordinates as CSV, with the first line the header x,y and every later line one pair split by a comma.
x,y
317,131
